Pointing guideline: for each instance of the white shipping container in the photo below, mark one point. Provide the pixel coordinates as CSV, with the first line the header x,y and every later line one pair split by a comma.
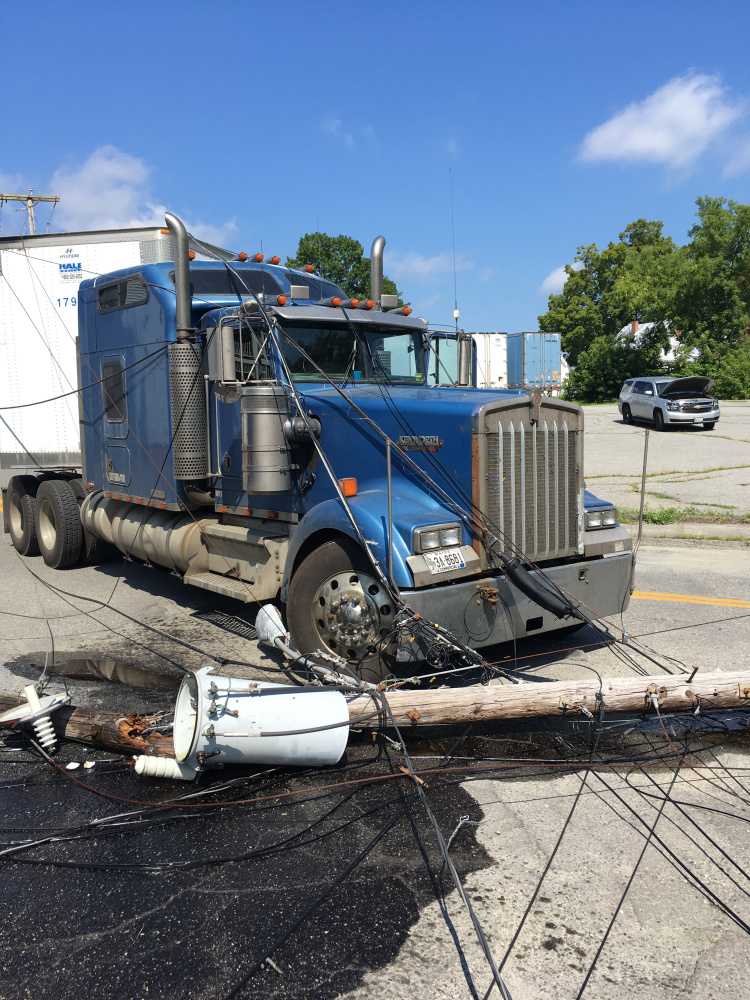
x,y
39,278
492,360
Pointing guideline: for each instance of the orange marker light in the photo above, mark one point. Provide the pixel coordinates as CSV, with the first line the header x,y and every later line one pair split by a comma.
x,y
336,301
348,487
281,300
191,254
275,260
272,514
355,303
242,256
258,258
370,304
165,231
309,268
408,310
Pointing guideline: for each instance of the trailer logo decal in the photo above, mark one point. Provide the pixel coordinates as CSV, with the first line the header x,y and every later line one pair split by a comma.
x,y
419,442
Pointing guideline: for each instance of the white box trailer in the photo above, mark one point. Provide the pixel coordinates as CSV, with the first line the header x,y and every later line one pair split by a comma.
x,y
39,278
491,360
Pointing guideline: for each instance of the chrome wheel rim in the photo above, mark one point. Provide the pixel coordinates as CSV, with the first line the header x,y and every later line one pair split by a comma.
x,y
16,516
46,526
352,611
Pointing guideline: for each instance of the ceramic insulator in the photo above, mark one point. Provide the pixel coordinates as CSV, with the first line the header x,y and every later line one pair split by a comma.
x,y
45,732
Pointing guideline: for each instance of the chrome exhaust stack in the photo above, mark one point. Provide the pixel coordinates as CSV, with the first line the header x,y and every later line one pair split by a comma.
x,y
183,298
376,269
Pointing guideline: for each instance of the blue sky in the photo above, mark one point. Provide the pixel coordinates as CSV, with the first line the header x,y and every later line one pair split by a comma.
x,y
559,123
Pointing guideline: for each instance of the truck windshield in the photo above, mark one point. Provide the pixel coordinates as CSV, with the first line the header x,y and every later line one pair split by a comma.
x,y
375,354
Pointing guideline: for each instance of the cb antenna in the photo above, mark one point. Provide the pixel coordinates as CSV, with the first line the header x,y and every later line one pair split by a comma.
x,y
456,313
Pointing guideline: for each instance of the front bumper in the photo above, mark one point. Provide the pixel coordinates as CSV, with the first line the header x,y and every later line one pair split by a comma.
x,y
677,417
464,607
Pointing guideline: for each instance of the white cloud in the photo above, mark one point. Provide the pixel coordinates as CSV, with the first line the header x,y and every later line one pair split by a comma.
x,y
331,124
12,184
486,273
554,282
334,127
414,265
111,190
220,236
424,305
674,126
451,147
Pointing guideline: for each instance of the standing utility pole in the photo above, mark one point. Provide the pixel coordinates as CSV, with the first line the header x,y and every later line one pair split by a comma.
x,y
30,199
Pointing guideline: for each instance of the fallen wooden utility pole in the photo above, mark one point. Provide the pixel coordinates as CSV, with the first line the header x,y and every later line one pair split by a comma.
x,y
112,730
556,698
444,706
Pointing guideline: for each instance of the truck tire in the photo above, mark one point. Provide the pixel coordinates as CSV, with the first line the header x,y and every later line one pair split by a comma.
x,y
709,426
336,603
58,523
627,416
93,549
658,420
21,499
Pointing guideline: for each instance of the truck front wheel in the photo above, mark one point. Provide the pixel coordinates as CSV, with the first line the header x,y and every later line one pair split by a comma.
x,y
336,603
58,523
21,500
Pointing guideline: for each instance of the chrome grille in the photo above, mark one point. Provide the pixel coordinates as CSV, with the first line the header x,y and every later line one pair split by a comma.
x,y
533,481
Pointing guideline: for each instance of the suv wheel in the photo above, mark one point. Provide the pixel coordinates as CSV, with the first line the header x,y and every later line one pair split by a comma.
x,y
627,416
658,420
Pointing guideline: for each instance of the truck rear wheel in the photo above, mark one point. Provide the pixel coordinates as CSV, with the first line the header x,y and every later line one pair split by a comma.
x,y
336,603
21,499
58,523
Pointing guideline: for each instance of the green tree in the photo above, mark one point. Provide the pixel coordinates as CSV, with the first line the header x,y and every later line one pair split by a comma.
x,y
711,299
604,366
606,289
339,259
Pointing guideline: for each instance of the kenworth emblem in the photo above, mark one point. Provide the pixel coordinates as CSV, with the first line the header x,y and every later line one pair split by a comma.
x,y
419,442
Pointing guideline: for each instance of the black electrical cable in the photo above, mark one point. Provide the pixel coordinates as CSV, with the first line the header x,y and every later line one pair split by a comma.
x,y
478,929
616,911
308,910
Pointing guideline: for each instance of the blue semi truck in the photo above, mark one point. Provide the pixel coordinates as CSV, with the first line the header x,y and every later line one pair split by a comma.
x,y
265,437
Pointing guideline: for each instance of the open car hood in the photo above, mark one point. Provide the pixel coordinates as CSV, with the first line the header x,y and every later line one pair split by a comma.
x,y
694,383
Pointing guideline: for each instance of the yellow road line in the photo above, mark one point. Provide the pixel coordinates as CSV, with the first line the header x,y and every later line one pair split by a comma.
x,y
723,602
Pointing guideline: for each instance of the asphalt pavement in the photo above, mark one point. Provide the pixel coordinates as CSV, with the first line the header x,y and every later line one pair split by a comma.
x,y
390,923
686,467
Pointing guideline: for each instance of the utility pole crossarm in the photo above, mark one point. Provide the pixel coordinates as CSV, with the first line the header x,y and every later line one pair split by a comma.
x,y
25,197
30,199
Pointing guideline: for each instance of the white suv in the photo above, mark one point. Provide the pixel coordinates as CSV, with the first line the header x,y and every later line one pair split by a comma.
x,y
668,401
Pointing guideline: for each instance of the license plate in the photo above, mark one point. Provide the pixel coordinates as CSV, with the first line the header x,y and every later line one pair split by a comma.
x,y
442,560
697,420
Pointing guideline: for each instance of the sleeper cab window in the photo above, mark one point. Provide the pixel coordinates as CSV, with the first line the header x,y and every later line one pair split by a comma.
x,y
113,390
122,295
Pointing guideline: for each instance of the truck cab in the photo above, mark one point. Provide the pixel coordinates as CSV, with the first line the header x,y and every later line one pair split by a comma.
x,y
268,438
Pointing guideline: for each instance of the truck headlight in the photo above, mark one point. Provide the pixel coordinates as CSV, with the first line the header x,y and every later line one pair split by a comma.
x,y
603,518
672,406
437,536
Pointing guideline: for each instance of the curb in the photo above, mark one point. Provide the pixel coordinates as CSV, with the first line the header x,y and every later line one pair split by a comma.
x,y
694,530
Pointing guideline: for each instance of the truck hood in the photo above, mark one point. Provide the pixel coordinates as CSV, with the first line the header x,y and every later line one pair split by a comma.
x,y
435,426
693,383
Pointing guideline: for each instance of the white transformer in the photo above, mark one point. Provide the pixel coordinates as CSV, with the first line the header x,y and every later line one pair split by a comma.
x,y
39,278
